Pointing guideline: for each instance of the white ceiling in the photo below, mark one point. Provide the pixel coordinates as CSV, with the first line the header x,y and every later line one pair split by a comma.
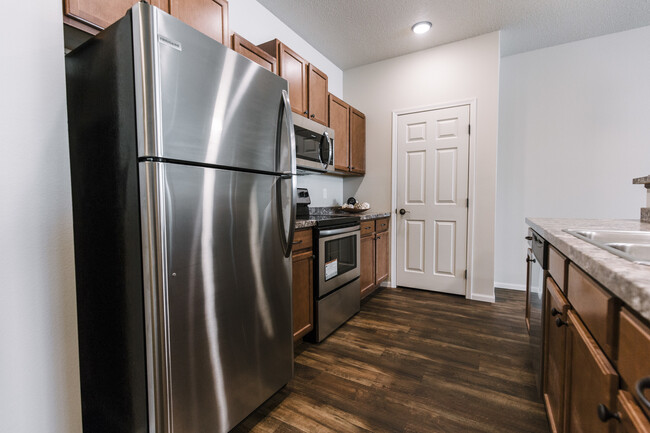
x,y
357,32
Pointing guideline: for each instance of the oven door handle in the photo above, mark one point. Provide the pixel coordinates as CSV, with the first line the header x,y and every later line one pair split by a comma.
x,y
333,232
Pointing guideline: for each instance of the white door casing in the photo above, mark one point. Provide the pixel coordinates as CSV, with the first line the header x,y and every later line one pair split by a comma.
x,y
432,187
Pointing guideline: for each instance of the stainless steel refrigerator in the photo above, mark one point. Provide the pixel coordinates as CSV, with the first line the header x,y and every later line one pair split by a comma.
x,y
182,162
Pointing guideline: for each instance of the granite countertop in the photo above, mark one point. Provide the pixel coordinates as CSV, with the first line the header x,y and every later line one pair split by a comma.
x,y
627,280
306,223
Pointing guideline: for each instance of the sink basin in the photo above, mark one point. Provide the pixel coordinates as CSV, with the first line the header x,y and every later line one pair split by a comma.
x,y
612,236
630,245
641,251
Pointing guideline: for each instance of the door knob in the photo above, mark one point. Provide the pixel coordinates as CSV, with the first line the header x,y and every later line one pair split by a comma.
x,y
403,211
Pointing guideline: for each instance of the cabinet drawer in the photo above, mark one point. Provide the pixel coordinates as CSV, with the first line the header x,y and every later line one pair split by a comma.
x,y
596,307
557,265
632,418
381,225
633,350
591,381
367,227
302,240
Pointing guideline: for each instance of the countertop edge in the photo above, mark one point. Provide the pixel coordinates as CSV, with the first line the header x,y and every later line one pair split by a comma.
x,y
626,280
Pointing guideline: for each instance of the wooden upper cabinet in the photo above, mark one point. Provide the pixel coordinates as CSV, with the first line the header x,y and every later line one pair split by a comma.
x,y
294,69
339,121
253,52
92,16
318,101
357,141
207,16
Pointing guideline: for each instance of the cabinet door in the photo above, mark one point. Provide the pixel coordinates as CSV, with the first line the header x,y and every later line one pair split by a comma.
x,y
207,16
252,52
367,277
357,141
554,355
303,284
94,15
293,68
339,121
592,381
631,416
382,256
318,95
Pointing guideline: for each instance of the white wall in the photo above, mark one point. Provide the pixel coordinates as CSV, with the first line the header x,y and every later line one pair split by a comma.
x,y
254,22
39,378
458,71
573,132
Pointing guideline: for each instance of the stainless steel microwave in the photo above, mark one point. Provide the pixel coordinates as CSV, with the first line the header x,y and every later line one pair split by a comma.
x,y
314,145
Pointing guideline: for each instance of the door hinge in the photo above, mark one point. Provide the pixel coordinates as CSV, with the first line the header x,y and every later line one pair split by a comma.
x,y
465,273
469,129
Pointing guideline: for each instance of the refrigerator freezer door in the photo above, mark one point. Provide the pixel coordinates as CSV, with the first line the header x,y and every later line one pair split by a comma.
x,y
224,300
212,105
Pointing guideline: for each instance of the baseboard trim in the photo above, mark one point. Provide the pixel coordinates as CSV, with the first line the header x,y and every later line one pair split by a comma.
x,y
508,286
482,298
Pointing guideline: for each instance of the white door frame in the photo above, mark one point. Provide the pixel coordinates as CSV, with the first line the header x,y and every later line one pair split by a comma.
x,y
469,288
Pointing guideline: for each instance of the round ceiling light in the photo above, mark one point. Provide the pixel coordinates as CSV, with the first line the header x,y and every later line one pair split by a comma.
x,y
421,27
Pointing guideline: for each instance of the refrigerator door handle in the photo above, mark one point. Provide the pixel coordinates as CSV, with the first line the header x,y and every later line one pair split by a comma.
x,y
291,142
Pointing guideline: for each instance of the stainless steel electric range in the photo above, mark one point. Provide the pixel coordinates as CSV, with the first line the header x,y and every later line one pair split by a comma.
x,y
337,289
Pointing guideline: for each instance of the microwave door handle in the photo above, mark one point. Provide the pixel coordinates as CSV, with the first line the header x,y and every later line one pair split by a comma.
x,y
287,240
329,144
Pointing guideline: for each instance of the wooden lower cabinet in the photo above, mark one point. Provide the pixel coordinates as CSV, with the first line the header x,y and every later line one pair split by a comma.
x,y
375,254
631,417
555,355
382,257
367,277
303,287
591,381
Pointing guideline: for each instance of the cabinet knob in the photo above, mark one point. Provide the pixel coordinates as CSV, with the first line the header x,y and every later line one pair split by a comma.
x,y
305,112
604,414
640,388
530,260
555,311
312,116
529,238
559,322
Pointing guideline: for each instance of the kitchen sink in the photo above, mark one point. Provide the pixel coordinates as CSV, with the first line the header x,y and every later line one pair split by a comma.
x,y
630,245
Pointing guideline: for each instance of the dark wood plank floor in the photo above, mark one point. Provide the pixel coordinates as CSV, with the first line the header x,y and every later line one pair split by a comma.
x,y
413,361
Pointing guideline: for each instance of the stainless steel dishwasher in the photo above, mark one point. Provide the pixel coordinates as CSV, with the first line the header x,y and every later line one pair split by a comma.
x,y
537,265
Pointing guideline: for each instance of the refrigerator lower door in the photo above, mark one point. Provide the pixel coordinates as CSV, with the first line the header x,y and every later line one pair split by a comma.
x,y
220,310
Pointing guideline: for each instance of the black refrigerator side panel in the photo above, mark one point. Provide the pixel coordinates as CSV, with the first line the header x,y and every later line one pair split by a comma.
x,y
107,241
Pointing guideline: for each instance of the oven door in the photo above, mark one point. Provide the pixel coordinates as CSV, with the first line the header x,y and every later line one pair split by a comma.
x,y
338,258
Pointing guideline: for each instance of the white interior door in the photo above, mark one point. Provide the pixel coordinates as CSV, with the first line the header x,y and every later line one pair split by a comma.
x,y
432,180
